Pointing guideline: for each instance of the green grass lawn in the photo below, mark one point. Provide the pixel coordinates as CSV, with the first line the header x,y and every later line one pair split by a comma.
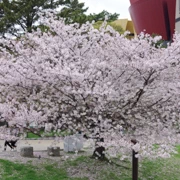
x,y
83,167
30,135
157,169
161,169
17,171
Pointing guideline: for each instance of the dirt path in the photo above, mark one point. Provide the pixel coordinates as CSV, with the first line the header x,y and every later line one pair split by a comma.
x,y
40,151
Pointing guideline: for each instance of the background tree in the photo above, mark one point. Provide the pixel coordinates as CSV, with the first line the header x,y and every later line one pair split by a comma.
x,y
18,16
74,12
104,15
6,18
53,4
118,28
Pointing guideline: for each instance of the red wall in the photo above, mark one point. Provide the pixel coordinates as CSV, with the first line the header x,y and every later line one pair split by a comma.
x,y
172,14
154,16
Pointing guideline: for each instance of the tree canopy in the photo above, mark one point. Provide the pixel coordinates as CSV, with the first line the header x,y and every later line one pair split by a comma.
x,y
93,80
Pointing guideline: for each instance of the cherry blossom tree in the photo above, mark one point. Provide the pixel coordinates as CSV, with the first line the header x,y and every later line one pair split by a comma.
x,y
97,81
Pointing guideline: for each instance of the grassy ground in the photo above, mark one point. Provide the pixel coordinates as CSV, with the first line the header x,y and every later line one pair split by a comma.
x,y
161,169
11,171
158,169
86,168
30,135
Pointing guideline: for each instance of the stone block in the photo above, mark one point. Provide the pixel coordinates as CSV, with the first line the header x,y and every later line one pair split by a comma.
x,y
53,151
26,151
73,143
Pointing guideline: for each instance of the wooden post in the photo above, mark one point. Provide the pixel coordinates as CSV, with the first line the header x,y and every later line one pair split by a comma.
x,y
134,162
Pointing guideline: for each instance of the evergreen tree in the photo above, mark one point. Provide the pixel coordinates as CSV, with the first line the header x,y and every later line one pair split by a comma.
x,y
27,13
6,19
53,4
102,15
74,12
18,16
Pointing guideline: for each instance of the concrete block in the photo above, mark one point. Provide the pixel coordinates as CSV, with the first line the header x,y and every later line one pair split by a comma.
x,y
73,143
53,151
26,151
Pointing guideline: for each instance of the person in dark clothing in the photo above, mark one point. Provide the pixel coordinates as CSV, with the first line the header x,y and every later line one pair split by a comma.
x,y
10,143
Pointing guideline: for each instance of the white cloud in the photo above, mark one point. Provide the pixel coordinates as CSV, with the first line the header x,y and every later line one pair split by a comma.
x,y
112,6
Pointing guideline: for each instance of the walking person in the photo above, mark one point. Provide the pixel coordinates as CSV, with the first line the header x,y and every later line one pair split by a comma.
x,y
10,143
12,140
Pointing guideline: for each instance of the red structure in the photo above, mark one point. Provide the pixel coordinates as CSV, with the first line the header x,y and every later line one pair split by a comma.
x,y
154,17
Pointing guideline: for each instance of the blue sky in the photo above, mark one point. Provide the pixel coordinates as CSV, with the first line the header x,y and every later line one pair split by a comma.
x,y
112,6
